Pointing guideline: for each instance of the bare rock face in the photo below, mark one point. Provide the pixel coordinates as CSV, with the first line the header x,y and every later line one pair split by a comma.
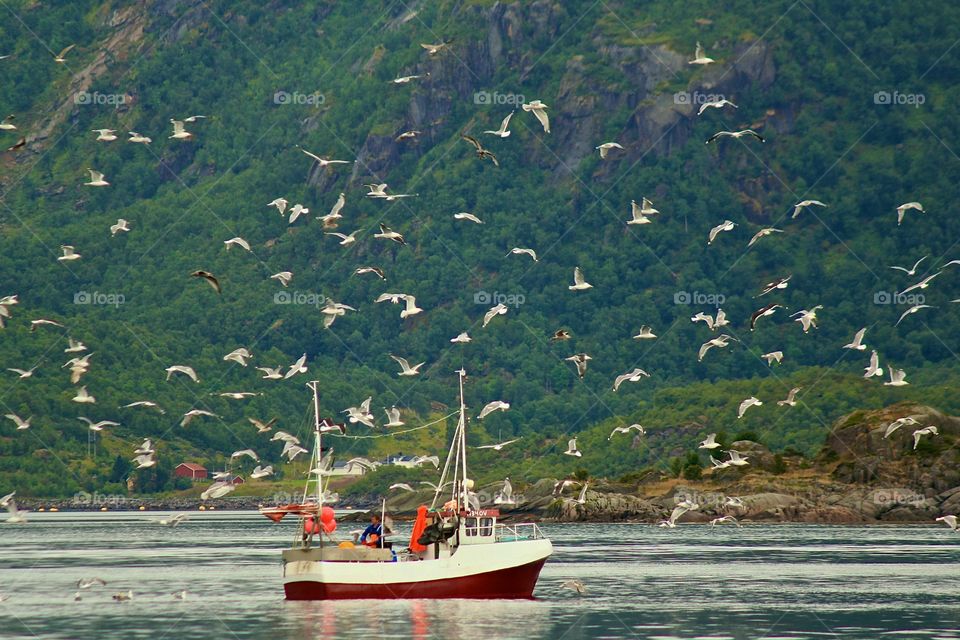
x,y
860,454
606,507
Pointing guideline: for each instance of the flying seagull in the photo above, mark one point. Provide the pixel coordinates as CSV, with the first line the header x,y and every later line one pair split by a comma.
x,y
605,148
496,405
209,277
715,104
857,341
502,132
406,369
580,360
726,225
631,376
735,135
907,206
791,399
700,56
579,284
540,111
912,270
800,206
746,404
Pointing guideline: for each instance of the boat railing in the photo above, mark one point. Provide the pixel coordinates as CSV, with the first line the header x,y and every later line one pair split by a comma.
x,y
518,531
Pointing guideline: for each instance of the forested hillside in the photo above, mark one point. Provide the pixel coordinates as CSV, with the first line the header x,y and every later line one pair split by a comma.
x,y
854,102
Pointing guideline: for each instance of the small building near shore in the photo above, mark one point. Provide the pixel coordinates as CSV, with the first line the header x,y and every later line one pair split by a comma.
x,y
348,469
190,470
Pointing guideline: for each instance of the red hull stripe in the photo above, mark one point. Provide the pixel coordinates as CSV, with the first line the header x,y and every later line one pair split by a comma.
x,y
515,582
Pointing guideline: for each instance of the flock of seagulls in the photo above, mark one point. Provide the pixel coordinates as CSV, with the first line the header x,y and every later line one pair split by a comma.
x,y
145,455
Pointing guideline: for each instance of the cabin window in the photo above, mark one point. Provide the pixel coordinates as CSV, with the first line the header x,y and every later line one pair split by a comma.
x,y
486,526
472,527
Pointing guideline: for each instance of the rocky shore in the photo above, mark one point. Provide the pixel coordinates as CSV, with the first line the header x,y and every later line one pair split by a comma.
x,y
858,477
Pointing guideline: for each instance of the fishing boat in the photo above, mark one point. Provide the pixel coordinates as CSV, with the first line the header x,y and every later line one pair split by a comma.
x,y
458,549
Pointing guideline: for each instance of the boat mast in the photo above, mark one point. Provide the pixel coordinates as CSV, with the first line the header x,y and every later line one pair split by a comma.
x,y
463,442
316,466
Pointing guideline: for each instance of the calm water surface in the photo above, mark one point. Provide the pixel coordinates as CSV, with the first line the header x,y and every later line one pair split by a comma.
x,y
759,581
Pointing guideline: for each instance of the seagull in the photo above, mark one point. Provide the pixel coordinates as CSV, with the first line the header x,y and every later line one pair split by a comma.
x,y
718,464
857,341
389,234
502,132
726,225
582,498
323,162
559,486
896,424
540,111
194,118
184,369
572,448
406,369
179,133
580,360
800,206
790,400
461,338
83,397
121,225
923,284
560,335
579,284
493,312
781,283
245,452
407,135
640,212
874,368
359,271
328,220
720,341
44,322
96,179
638,428
61,57
69,253
123,597
522,251
75,346
434,49
173,521
238,241
768,310
498,446
631,376
17,420
6,125
407,79
716,104
23,373
574,584
646,333
736,460
280,204
283,277
919,433
98,426
735,134
746,404
270,373
193,413
700,57
238,395
401,485
950,521
138,139
411,308
344,239
105,135
773,356
145,447
87,583
145,461
898,377
496,405
913,309
913,270
261,472
209,277
763,233
240,356
808,317
285,437
505,495
907,206
481,152
724,520
360,414
710,442
300,366
467,216
605,148
292,451
393,417
296,211
262,427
